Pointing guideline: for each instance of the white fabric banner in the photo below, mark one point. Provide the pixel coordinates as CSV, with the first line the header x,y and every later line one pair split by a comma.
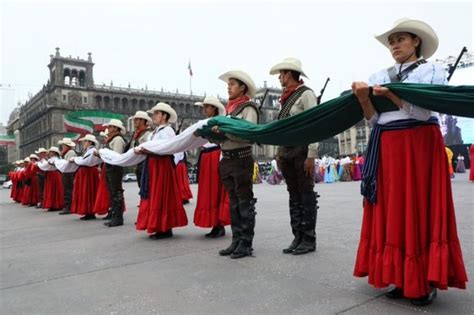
x,y
185,141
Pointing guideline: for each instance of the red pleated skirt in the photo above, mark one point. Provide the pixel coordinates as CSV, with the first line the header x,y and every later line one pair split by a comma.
x,y
31,192
20,186
183,181
409,237
86,182
212,205
53,191
471,172
163,210
12,176
102,200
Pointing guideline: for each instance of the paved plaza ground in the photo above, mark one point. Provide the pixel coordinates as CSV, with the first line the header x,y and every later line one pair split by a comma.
x,y
53,264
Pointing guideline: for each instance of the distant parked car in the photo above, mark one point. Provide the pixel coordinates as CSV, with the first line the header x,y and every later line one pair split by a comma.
x,y
7,185
130,177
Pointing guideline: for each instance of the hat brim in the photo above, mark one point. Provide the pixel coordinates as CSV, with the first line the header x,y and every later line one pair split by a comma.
x,y
286,66
429,39
91,140
69,144
167,109
219,107
147,118
251,88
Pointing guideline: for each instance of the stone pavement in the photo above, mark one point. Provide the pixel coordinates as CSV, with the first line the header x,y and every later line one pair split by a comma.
x,y
53,264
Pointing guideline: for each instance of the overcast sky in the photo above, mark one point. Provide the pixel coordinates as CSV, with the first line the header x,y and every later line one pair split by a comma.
x,y
150,43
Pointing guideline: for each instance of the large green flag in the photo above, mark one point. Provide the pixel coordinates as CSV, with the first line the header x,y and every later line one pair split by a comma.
x,y
339,114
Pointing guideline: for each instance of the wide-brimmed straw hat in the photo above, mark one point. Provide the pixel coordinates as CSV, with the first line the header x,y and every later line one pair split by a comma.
x,y
67,141
90,138
242,76
116,123
292,64
213,101
163,107
429,39
41,150
142,115
54,149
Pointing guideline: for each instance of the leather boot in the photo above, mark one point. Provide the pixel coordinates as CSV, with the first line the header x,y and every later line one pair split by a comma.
x,y
425,300
229,250
294,244
108,216
243,249
117,220
212,232
219,232
162,235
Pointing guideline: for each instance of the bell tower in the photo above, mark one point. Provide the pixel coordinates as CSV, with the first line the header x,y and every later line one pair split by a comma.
x,y
70,72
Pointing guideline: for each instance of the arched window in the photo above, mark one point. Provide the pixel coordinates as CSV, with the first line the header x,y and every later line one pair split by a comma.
x,y
67,76
82,78
124,103
116,103
142,104
98,101
106,102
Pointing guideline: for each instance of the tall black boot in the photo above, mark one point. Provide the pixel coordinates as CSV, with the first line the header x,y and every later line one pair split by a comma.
x,y
296,210
247,214
108,216
117,219
308,226
235,227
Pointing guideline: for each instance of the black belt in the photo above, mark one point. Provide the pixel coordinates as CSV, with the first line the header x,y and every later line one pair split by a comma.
x,y
237,153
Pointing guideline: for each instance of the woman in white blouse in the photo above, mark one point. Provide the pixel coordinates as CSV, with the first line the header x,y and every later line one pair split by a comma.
x,y
408,236
161,208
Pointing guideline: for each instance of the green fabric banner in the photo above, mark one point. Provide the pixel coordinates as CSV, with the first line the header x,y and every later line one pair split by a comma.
x,y
334,116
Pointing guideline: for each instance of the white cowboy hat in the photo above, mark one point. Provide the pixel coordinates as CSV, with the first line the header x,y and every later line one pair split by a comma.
x,y
67,141
34,156
142,115
41,150
213,101
242,76
167,109
90,138
288,64
429,39
54,149
27,160
116,123
20,161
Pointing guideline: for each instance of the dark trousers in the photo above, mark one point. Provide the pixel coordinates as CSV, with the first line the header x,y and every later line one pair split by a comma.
x,y
68,185
300,187
41,185
138,172
113,177
236,175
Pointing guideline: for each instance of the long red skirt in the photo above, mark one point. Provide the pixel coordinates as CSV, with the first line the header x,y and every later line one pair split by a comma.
x,y
86,182
12,176
31,193
53,191
471,172
20,186
102,202
212,205
183,181
409,237
163,210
